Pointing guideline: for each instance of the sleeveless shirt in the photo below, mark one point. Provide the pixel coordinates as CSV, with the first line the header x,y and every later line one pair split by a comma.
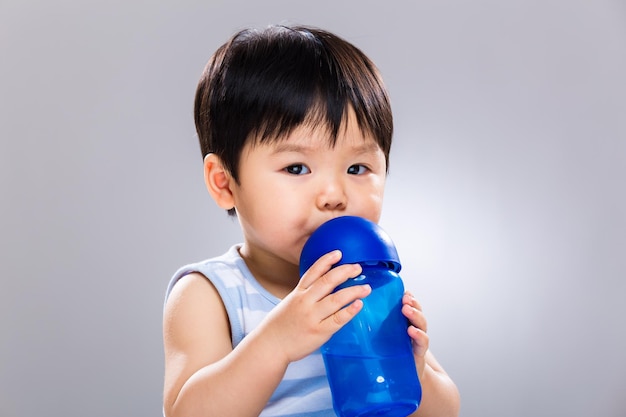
x,y
304,390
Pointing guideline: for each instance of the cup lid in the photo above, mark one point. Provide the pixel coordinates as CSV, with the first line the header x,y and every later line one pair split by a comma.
x,y
360,241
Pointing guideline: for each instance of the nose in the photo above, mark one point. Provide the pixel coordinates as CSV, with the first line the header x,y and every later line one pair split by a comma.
x,y
332,195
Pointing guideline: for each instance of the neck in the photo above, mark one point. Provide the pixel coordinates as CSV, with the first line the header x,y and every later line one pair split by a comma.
x,y
278,276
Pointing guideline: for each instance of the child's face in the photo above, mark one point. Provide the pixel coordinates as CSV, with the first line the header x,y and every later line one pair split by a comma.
x,y
290,187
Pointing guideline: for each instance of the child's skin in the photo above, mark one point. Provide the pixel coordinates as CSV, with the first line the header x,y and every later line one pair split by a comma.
x,y
286,189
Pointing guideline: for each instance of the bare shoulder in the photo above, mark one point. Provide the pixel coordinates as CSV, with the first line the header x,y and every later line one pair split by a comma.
x,y
196,331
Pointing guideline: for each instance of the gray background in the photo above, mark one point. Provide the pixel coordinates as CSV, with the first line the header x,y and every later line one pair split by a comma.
x,y
506,196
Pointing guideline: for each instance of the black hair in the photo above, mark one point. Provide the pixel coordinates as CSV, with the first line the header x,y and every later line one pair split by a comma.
x,y
264,83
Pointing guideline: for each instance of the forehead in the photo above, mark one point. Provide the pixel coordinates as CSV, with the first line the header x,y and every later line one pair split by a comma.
x,y
316,132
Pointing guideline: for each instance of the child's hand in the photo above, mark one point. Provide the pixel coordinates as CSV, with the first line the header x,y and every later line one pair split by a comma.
x,y
312,313
412,309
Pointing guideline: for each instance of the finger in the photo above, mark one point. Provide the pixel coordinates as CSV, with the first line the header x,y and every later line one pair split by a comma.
x,y
339,318
420,340
415,316
335,277
336,301
409,299
328,282
319,268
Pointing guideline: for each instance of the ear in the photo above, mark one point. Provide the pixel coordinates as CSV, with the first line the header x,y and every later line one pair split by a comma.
x,y
218,182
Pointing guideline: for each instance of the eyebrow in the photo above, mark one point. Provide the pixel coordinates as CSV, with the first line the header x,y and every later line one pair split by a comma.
x,y
284,146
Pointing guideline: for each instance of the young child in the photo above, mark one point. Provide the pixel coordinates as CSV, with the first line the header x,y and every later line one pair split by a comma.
x,y
295,128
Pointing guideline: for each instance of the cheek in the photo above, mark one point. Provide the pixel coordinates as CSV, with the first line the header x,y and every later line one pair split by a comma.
x,y
369,205
271,208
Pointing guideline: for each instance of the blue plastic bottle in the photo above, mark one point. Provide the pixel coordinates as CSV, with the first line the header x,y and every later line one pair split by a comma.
x,y
369,362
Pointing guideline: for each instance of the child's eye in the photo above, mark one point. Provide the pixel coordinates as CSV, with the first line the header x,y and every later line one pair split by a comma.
x,y
357,169
297,169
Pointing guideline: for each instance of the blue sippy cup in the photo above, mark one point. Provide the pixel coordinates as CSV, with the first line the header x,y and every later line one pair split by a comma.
x,y
369,361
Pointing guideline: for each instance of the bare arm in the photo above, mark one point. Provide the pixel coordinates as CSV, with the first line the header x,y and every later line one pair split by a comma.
x,y
205,377
440,396
203,374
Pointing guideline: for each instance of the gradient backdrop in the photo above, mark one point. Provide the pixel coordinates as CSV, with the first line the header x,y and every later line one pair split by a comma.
x,y
506,196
